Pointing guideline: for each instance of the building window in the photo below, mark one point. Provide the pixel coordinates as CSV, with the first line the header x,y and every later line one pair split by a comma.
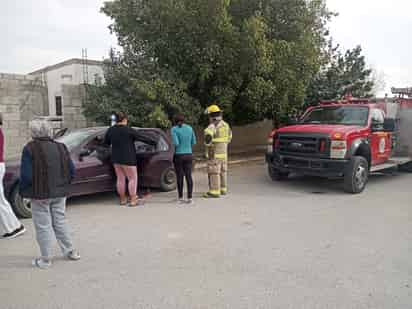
x,y
67,77
59,107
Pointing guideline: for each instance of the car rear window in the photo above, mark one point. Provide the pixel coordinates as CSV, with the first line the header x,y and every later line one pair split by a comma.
x,y
161,146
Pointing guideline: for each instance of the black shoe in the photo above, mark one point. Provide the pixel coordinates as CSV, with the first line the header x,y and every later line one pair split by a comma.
x,y
17,232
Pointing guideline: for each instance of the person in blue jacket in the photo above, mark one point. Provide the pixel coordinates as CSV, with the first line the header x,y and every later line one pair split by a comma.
x,y
183,137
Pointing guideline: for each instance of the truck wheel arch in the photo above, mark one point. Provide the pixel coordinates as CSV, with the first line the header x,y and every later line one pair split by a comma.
x,y
360,147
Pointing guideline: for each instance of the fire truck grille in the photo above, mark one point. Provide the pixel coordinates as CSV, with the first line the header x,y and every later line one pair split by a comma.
x,y
303,144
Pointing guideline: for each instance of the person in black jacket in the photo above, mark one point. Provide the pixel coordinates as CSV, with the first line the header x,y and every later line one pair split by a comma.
x,y
46,172
122,139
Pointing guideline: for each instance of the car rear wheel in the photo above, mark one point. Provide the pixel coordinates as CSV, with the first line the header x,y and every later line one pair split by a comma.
x,y
21,206
356,175
168,180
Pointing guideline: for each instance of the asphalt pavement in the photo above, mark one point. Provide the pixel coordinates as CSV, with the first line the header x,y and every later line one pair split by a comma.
x,y
302,243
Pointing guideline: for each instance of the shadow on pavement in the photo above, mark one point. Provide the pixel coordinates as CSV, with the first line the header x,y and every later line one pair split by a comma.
x,y
318,185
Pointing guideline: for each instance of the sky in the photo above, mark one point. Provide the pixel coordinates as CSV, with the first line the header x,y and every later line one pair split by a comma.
x,y
37,33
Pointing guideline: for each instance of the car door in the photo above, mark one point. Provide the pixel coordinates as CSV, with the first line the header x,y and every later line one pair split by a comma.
x,y
93,173
381,141
145,154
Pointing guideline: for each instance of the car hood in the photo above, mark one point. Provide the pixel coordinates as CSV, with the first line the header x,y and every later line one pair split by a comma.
x,y
321,129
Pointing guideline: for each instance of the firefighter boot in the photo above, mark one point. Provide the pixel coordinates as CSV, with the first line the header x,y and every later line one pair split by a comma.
x,y
214,186
223,177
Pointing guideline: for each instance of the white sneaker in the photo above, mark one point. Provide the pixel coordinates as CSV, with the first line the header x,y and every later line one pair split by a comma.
x,y
180,201
73,255
41,263
190,201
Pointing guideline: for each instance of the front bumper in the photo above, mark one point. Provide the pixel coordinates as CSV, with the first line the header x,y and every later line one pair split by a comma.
x,y
329,168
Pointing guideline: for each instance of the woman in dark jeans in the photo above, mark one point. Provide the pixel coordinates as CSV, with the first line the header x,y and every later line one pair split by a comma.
x,y
122,139
183,138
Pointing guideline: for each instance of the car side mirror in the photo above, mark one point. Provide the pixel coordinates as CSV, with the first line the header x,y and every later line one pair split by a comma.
x,y
60,133
84,153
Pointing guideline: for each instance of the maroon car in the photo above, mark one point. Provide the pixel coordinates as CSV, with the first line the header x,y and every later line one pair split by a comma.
x,y
94,172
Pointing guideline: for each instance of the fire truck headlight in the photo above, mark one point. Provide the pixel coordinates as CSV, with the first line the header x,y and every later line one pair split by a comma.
x,y
338,149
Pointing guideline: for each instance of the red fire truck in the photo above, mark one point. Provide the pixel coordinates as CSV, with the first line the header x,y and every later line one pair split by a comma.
x,y
347,139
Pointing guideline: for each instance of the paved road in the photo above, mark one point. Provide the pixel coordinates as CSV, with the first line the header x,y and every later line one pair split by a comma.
x,y
299,244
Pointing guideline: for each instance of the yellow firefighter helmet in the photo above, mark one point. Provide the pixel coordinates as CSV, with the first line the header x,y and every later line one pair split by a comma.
x,y
213,109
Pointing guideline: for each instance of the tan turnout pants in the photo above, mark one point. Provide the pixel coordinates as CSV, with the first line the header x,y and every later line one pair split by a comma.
x,y
217,171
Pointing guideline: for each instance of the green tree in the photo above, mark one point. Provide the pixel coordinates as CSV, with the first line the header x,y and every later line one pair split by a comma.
x,y
255,58
136,89
343,74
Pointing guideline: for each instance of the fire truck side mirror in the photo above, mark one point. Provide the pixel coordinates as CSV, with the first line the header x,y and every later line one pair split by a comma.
x,y
377,126
389,125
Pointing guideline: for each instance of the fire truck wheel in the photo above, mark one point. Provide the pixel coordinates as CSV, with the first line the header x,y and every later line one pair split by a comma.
x,y
276,175
406,167
356,175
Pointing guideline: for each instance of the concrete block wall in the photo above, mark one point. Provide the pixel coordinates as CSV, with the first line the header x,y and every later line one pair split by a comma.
x,y
73,97
245,138
22,97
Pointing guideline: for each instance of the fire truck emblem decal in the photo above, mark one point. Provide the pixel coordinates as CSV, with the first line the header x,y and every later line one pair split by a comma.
x,y
382,145
296,145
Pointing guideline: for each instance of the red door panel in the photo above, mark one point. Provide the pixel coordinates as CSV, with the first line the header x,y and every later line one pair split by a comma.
x,y
381,145
92,175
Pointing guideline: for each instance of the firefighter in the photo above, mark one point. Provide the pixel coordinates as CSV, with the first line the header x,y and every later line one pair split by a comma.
x,y
218,135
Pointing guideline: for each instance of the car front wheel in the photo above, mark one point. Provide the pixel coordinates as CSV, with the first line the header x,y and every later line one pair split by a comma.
x,y
356,175
21,206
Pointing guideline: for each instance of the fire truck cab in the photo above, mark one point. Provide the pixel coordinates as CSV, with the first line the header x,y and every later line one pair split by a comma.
x,y
346,139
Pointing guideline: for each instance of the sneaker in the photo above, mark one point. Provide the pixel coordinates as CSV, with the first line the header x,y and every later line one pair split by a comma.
x,y
73,255
17,232
41,263
180,201
190,201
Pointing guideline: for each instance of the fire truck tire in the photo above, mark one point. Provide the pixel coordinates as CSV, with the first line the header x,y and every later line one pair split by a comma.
x,y
276,175
407,167
356,175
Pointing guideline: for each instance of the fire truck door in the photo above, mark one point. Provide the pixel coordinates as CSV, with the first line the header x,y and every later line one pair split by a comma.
x,y
380,141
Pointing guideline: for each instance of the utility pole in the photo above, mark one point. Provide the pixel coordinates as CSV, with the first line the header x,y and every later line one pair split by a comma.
x,y
85,66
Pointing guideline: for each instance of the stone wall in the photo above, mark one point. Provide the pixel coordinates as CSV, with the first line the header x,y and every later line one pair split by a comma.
x,y
22,98
73,117
245,138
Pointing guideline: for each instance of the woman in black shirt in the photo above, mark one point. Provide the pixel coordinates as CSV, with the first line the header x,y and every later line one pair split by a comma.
x,y
122,139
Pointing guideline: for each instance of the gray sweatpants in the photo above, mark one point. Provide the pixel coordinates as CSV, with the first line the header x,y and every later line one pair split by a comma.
x,y
48,216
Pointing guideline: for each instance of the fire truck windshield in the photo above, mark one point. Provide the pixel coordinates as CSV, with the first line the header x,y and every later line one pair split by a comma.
x,y
340,115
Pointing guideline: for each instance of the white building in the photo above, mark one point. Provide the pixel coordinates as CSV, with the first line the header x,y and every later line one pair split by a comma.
x,y
72,72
